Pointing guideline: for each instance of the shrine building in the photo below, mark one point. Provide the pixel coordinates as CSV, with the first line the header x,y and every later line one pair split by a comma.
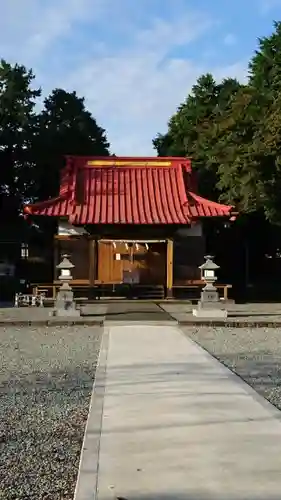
x,y
130,223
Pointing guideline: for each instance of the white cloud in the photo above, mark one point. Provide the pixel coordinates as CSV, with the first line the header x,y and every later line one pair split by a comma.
x,y
28,29
134,92
133,89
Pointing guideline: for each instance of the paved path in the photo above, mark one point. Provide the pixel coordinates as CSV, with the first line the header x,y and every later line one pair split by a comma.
x,y
134,311
176,425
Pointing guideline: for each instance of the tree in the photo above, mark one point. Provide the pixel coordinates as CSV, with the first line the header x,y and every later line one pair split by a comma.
x,y
265,65
251,176
231,132
193,131
64,127
183,125
265,79
17,118
268,161
236,151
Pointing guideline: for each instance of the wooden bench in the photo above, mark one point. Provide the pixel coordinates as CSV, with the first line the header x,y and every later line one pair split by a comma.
x,y
195,284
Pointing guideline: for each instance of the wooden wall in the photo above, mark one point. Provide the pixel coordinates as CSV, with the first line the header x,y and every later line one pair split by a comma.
x,y
106,262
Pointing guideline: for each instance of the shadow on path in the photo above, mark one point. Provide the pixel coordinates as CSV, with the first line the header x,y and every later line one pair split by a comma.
x,y
197,495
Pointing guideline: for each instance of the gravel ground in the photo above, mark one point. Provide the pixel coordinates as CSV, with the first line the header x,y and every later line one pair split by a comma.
x,y
46,379
253,353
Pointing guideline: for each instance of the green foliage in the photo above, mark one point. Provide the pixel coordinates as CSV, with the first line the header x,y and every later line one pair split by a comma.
x,y
32,145
17,120
194,131
235,151
232,133
64,127
265,66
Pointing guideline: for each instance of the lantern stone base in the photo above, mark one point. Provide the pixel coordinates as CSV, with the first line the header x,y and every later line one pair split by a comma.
x,y
69,313
209,313
209,295
211,308
210,305
65,304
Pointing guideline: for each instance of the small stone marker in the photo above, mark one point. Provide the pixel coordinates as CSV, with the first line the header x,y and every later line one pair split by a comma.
x,y
209,305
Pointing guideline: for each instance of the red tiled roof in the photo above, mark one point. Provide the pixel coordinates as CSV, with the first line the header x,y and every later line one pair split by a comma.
x,y
141,191
201,207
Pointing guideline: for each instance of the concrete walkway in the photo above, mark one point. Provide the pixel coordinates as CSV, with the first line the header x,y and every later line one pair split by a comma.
x,y
176,425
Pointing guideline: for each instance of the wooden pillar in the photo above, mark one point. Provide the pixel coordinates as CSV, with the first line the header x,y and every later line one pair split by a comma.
x,y
96,260
92,261
56,257
56,262
169,267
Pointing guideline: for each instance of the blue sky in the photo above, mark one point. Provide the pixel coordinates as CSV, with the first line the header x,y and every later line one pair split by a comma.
x,y
133,60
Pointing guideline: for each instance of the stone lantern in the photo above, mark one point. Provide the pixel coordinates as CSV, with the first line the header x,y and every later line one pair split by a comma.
x,y
208,274
64,303
65,267
209,305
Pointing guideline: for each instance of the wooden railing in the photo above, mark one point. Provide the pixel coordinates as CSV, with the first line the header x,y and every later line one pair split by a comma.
x,y
50,289
194,284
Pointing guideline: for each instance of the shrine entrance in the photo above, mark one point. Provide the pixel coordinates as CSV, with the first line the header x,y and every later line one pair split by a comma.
x,y
132,262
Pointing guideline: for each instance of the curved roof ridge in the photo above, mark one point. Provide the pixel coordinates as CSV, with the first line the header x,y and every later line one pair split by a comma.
x,y
200,199
45,203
